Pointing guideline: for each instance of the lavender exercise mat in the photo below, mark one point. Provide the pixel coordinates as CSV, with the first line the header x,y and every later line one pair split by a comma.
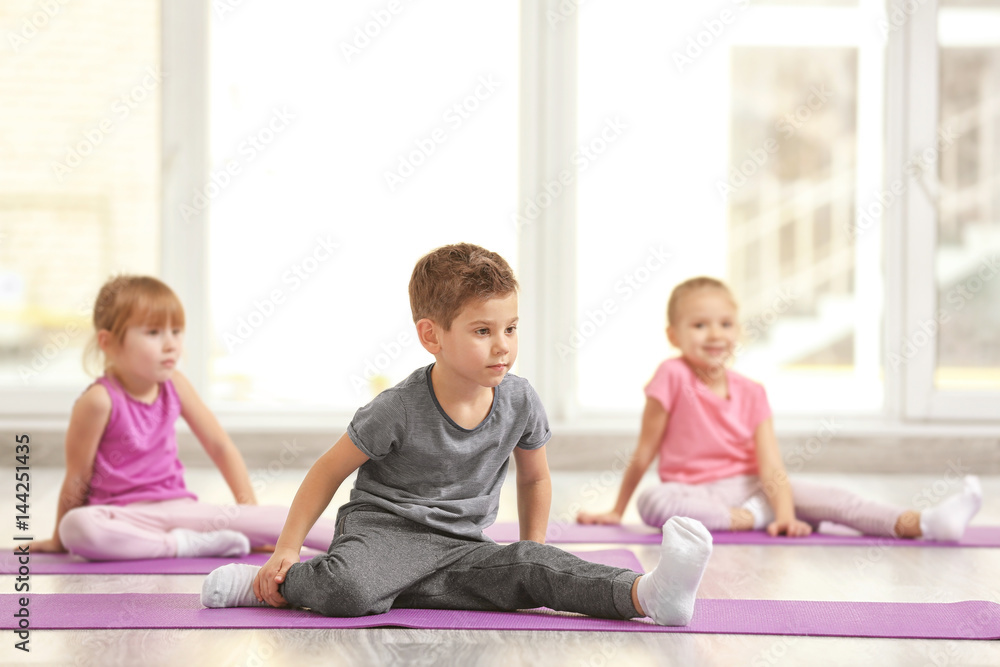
x,y
562,533
906,620
46,563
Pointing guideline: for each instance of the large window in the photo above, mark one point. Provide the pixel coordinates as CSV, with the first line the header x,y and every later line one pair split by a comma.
x,y
79,179
345,144
737,156
836,161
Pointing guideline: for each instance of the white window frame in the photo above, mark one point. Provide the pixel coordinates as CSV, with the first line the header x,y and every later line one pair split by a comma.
x,y
924,402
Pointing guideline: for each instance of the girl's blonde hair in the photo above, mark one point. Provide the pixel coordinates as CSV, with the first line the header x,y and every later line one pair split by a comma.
x,y
125,301
691,285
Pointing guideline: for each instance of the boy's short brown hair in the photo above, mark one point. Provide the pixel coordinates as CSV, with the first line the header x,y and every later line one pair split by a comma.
x,y
446,278
690,285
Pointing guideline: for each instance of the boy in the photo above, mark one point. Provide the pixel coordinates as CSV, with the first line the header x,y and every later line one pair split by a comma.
x,y
431,455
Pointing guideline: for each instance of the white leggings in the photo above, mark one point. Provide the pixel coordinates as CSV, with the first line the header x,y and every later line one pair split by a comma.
x,y
711,503
141,530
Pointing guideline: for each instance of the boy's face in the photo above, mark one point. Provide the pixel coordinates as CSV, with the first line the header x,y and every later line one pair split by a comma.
x,y
481,344
706,329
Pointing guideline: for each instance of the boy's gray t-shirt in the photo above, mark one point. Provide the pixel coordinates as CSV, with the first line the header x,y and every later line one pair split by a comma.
x,y
425,467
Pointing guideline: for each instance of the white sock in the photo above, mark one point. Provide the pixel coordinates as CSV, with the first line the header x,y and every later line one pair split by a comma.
x,y
667,593
762,513
231,586
948,520
217,543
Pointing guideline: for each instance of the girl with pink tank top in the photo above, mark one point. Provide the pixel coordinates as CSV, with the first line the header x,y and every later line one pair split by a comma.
x,y
124,495
719,457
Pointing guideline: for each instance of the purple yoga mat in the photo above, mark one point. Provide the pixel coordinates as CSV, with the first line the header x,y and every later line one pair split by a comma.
x,y
905,620
66,564
563,533
46,563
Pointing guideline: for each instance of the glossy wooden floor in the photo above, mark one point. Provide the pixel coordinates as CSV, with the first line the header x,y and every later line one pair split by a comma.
x,y
802,573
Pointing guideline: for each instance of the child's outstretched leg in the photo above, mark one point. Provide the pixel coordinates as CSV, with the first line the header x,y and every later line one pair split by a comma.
x,y
667,593
659,503
105,532
177,528
949,519
231,586
715,504
525,575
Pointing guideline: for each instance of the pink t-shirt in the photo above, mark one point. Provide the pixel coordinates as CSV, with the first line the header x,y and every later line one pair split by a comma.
x,y
137,456
707,437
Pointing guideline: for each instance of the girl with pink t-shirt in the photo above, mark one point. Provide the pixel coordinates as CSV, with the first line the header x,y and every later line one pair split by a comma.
x,y
124,495
719,457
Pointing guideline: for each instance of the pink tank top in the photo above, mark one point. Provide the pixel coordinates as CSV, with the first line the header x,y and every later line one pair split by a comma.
x,y
137,457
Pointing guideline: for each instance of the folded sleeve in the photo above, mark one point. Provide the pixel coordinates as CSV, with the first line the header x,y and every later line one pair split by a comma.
x,y
664,385
536,429
760,408
380,426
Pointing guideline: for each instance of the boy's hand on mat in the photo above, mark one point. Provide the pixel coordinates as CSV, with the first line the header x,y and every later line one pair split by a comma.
x,y
265,584
604,518
790,527
264,548
50,545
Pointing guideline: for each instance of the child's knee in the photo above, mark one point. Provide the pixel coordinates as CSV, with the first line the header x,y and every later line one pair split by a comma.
x,y
339,593
78,530
655,509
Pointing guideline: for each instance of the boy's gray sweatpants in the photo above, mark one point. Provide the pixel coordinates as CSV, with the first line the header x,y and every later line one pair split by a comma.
x,y
379,560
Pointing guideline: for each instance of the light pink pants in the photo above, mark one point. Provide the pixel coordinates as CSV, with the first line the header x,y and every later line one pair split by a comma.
x,y
141,530
711,503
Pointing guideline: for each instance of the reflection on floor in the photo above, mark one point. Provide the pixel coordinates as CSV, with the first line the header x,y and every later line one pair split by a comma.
x,y
803,573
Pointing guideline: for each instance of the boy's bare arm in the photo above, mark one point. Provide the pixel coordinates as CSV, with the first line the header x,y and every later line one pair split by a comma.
x,y
314,495
534,493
